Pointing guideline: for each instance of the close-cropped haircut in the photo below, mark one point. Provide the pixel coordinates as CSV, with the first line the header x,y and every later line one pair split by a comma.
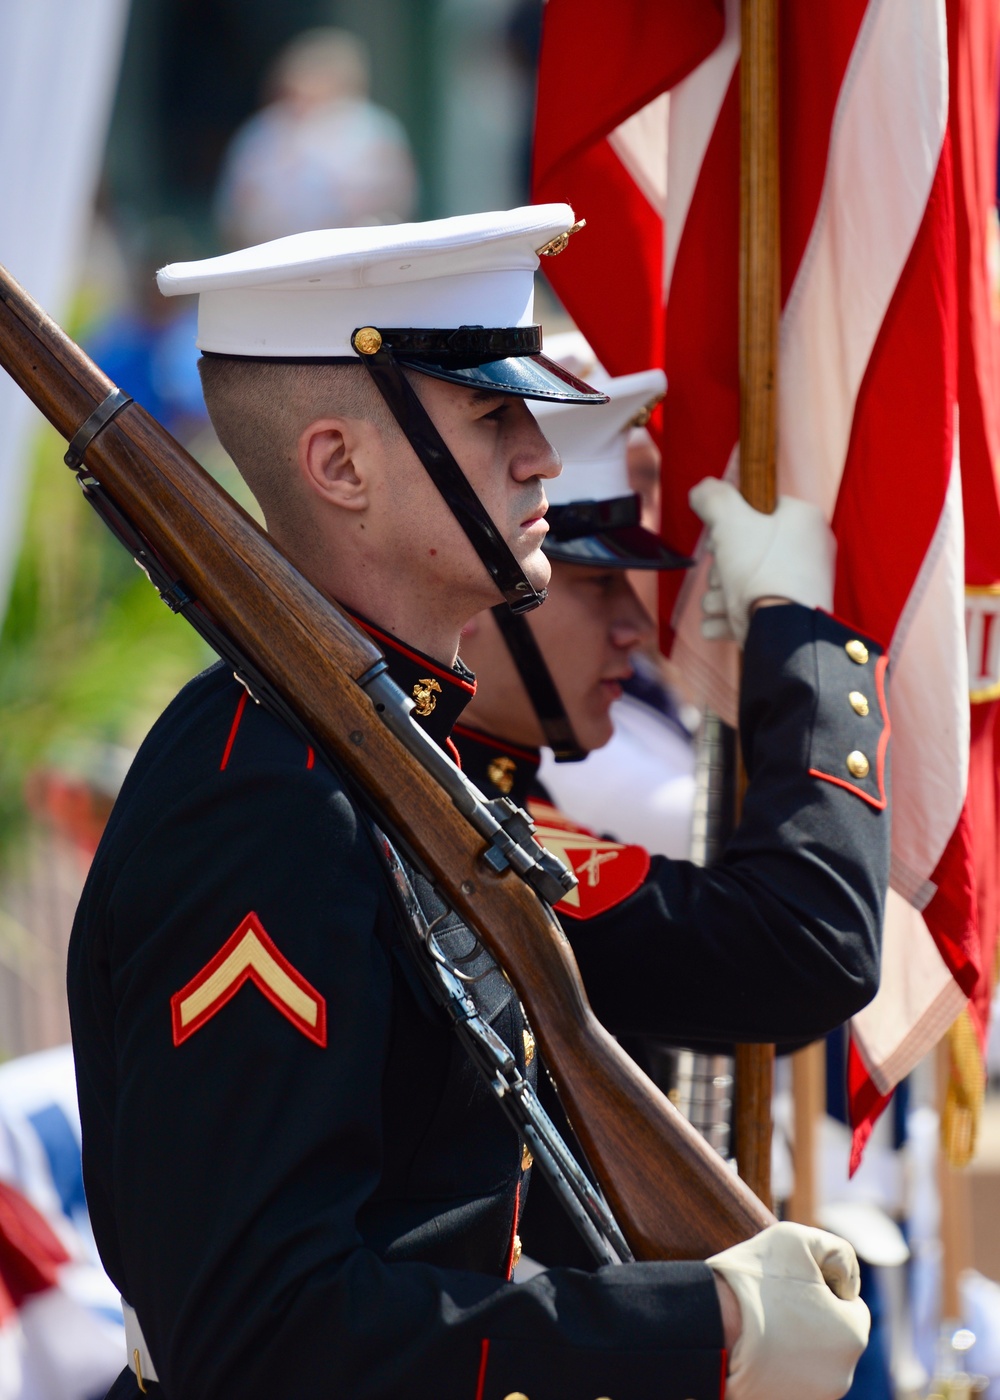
x,y
259,408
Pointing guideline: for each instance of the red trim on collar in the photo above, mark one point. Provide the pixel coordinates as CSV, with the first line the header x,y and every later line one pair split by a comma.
x,y
428,665
880,802
241,705
501,745
725,1374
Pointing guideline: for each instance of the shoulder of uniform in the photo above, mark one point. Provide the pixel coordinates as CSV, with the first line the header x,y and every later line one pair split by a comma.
x,y
214,725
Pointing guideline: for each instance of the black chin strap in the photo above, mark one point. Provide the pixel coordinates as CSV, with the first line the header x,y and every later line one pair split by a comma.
x,y
541,688
445,472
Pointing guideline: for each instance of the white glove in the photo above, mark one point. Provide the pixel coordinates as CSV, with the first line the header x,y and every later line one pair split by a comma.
x,y
789,554
804,1324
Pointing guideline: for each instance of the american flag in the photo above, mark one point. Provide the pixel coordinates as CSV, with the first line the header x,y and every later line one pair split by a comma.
x,y
886,138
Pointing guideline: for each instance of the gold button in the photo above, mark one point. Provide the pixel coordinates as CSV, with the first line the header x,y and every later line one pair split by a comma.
x,y
526,1158
515,1254
857,765
516,1395
859,702
857,651
367,340
501,773
529,1047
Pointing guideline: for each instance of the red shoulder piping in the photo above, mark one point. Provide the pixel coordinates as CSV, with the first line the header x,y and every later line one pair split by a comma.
x,y
232,732
484,1356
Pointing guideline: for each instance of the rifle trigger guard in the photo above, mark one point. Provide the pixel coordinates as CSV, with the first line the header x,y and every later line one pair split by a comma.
x,y
100,418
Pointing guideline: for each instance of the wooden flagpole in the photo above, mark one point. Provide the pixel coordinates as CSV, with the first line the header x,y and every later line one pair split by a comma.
x,y
760,272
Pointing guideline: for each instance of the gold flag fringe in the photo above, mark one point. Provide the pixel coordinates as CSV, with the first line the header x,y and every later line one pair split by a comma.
x,y
963,1103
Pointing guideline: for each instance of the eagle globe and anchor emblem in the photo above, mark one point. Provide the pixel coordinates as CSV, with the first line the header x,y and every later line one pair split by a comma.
x,y
425,693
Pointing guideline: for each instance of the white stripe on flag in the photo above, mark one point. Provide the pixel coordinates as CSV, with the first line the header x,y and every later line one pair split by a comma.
x,y
694,110
885,146
930,709
915,1005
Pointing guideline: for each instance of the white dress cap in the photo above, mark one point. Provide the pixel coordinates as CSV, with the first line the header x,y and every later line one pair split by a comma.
x,y
304,295
593,440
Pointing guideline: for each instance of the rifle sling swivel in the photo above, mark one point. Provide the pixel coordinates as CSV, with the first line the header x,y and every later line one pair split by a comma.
x,y
102,415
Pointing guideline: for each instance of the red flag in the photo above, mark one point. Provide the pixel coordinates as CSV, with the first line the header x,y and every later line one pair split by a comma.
x,y
588,48
973,48
868,392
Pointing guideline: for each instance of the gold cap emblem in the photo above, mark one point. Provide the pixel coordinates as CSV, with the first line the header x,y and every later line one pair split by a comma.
x,y
857,765
646,412
557,245
367,340
857,651
859,702
501,773
425,693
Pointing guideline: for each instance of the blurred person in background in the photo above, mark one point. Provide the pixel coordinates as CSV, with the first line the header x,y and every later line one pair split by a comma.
x,y
146,346
319,154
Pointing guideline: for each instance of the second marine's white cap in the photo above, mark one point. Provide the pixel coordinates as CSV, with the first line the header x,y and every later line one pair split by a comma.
x,y
451,297
594,514
594,446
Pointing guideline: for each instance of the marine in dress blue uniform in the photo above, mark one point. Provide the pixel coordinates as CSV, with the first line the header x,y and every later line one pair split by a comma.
x,y
779,940
295,1177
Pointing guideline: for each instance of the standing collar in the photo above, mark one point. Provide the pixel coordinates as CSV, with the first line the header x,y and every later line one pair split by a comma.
x,y
496,767
439,693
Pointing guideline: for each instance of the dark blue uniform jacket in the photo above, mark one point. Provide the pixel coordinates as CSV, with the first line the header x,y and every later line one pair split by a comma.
x,y
294,1175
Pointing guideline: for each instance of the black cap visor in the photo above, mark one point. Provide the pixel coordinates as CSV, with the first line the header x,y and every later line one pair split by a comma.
x,y
527,376
607,535
630,548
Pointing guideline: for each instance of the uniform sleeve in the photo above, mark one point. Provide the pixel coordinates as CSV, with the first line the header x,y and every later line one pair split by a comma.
x,y
248,1138
779,939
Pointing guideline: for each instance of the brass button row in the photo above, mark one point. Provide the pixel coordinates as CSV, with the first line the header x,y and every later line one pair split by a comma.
x,y
857,764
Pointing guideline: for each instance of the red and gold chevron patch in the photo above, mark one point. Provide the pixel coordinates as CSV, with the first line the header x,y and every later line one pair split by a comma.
x,y
608,872
248,956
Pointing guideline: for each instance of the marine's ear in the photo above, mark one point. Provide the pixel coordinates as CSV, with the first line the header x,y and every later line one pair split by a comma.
x,y
327,454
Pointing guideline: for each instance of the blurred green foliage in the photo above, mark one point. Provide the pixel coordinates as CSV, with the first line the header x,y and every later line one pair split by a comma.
x,y
89,655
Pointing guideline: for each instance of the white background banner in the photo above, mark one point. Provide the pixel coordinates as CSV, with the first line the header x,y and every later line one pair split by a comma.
x,y
61,60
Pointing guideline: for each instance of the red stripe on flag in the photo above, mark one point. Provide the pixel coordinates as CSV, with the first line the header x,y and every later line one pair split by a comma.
x,y
903,431
604,276
973,36
951,914
866,1105
701,413
599,65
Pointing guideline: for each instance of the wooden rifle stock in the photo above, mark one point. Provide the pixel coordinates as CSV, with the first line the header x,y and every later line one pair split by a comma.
x,y
672,1195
